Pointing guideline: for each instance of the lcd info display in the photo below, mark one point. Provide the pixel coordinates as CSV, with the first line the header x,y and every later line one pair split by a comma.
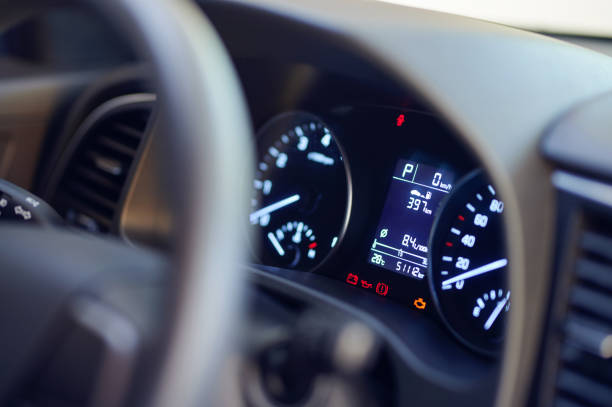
x,y
413,199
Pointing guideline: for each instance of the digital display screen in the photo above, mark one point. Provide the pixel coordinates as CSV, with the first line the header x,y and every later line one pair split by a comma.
x,y
401,240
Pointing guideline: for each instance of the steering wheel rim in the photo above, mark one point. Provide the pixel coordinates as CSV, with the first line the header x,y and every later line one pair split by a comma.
x,y
205,169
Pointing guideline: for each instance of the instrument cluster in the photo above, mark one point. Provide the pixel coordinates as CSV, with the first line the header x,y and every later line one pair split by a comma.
x,y
389,201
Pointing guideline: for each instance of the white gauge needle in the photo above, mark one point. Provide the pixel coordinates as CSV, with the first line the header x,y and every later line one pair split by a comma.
x,y
275,243
297,238
495,313
477,271
320,158
274,207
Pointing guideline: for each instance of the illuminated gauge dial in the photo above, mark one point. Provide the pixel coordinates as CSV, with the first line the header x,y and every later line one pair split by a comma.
x,y
490,305
301,185
294,243
468,263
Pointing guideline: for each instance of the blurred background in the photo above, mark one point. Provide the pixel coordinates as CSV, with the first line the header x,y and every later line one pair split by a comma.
x,y
572,17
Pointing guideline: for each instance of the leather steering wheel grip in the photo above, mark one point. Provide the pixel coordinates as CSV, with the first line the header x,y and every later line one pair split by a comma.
x,y
205,170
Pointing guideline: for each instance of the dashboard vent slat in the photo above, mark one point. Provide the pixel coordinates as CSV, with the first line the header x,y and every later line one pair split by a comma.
x,y
586,333
116,146
584,375
584,388
128,130
592,302
595,273
94,177
89,192
91,195
105,164
598,244
575,365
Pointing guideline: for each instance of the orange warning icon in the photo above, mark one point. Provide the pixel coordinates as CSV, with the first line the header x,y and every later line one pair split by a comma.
x,y
420,303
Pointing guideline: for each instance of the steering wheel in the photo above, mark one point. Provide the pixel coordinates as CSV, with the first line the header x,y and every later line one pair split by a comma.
x,y
148,329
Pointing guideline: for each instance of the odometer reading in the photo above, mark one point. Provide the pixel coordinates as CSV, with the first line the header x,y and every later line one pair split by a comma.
x,y
468,268
401,241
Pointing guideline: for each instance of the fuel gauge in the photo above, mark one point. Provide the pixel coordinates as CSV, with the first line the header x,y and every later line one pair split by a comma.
x,y
293,243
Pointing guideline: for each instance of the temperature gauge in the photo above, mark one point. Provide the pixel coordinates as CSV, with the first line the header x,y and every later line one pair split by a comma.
x,y
490,305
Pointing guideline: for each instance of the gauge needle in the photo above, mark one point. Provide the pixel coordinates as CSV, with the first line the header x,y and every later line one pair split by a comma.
x,y
273,207
276,245
495,313
297,238
477,271
320,158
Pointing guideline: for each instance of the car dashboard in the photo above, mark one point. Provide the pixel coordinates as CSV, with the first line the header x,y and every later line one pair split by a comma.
x,y
357,190
359,187
399,179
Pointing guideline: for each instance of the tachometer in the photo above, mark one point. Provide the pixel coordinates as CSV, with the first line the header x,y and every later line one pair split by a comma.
x,y
301,192
467,276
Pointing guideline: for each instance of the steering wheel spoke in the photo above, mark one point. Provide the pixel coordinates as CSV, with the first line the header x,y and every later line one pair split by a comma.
x,y
59,284
106,290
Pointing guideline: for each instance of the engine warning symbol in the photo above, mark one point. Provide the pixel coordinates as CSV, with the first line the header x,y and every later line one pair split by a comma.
x,y
419,303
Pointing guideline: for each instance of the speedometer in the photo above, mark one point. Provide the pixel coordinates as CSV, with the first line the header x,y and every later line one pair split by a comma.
x,y
300,192
467,276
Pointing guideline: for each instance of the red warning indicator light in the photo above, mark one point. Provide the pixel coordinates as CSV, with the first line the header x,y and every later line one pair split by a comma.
x,y
382,289
365,284
400,120
352,279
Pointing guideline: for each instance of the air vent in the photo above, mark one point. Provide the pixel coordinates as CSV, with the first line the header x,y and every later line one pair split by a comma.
x,y
89,192
585,372
578,351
